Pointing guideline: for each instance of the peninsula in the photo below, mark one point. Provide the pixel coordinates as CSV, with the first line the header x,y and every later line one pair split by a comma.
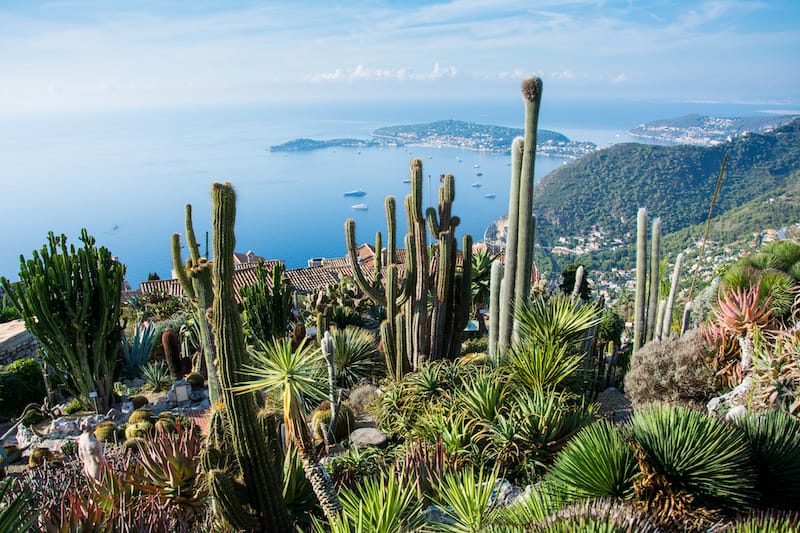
x,y
703,130
451,134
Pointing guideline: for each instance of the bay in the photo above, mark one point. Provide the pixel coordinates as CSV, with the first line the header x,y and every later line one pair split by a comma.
x,y
126,176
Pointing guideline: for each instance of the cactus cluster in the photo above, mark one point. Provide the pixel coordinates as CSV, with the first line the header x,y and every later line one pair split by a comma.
x,y
411,335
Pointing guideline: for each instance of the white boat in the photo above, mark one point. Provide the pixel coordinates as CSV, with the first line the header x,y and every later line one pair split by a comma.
x,y
476,165
357,192
491,195
360,207
477,185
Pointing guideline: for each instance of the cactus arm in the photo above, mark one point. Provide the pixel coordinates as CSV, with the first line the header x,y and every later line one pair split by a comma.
x,y
655,277
378,266
506,310
391,230
228,504
495,289
180,270
191,240
433,223
673,291
532,93
358,275
641,278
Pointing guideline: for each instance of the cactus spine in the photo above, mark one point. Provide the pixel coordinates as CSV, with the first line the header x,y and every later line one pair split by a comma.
x,y
641,279
655,277
410,336
195,280
262,481
521,224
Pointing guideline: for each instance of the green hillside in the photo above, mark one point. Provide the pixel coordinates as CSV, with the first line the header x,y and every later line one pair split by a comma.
x,y
676,183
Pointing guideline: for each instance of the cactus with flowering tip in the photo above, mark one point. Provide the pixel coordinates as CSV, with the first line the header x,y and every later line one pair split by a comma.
x,y
411,335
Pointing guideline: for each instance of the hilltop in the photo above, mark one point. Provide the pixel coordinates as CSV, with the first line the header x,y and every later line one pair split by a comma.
x,y
451,133
704,130
605,188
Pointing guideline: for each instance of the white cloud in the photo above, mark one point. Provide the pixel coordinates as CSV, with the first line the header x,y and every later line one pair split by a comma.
x,y
362,73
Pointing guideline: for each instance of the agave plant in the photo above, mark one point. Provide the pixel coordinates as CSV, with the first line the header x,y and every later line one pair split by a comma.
x,y
136,350
691,464
557,320
740,312
355,355
542,366
777,373
483,396
597,462
774,438
156,374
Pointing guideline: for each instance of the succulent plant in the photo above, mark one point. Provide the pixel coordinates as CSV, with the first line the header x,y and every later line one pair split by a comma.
x,y
106,431
195,379
140,415
140,429
321,417
38,457
138,401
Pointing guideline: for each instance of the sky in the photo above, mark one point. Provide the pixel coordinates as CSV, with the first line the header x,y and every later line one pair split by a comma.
x,y
88,55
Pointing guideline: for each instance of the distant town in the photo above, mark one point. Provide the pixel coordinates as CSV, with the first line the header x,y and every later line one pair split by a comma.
x,y
702,130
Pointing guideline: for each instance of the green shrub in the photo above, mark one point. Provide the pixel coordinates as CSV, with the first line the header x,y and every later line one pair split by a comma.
x,y
32,417
475,345
671,370
75,406
21,383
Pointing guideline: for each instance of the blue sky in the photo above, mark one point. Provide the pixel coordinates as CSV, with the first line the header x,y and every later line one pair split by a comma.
x,y
80,55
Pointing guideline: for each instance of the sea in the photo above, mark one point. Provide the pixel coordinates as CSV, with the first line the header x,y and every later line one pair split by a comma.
x,y
126,176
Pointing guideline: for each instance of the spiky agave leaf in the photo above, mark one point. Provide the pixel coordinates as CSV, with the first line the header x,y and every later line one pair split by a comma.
x,y
558,321
466,499
774,438
535,365
355,355
695,454
597,462
483,396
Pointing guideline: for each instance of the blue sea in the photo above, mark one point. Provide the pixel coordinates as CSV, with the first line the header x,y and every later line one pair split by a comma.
x,y
126,176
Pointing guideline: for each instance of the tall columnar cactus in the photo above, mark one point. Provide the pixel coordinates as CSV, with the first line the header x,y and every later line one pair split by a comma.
x,y
655,277
673,290
258,504
195,280
521,223
69,298
495,288
641,279
410,335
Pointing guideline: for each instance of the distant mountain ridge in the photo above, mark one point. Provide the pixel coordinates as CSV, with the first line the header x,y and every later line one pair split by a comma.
x,y
705,130
607,187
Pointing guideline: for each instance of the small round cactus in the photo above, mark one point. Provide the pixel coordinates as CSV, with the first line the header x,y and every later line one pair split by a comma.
x,y
106,431
138,401
166,425
141,429
39,456
140,415
321,418
196,380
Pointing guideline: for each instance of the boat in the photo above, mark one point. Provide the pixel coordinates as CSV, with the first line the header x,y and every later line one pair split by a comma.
x,y
406,180
357,192
479,174
476,165
477,185
360,207
458,159
490,196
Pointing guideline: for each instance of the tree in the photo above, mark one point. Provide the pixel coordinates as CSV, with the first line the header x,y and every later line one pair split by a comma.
x,y
70,301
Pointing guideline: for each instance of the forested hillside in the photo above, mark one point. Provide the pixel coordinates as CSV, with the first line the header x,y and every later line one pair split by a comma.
x,y
676,183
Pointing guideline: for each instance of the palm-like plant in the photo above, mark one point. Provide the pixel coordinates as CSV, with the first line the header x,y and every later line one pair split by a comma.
x,y
16,512
541,365
355,355
597,462
297,376
691,461
481,275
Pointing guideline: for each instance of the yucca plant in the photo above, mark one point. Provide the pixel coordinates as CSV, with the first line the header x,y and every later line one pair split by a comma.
x,y
483,396
355,355
691,463
466,498
597,462
769,521
156,374
774,439
136,350
379,505
535,365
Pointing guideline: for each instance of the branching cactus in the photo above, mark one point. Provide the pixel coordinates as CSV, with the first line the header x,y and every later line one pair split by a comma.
x,y
195,280
411,335
256,502
521,223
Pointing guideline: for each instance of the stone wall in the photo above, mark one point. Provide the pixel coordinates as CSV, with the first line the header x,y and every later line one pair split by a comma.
x,y
16,342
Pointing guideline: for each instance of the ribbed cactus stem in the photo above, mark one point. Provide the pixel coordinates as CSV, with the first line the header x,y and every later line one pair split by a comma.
x,y
350,241
191,239
673,291
580,272
532,94
391,230
495,288
655,277
641,279
263,484
662,307
378,266
506,322
328,347
180,271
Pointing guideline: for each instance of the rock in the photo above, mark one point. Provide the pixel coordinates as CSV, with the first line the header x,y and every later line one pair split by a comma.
x,y
504,492
198,395
615,405
736,412
26,437
115,414
62,427
364,437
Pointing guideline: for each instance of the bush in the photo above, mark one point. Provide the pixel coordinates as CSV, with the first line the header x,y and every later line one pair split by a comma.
x,y
21,383
362,396
671,370
475,345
